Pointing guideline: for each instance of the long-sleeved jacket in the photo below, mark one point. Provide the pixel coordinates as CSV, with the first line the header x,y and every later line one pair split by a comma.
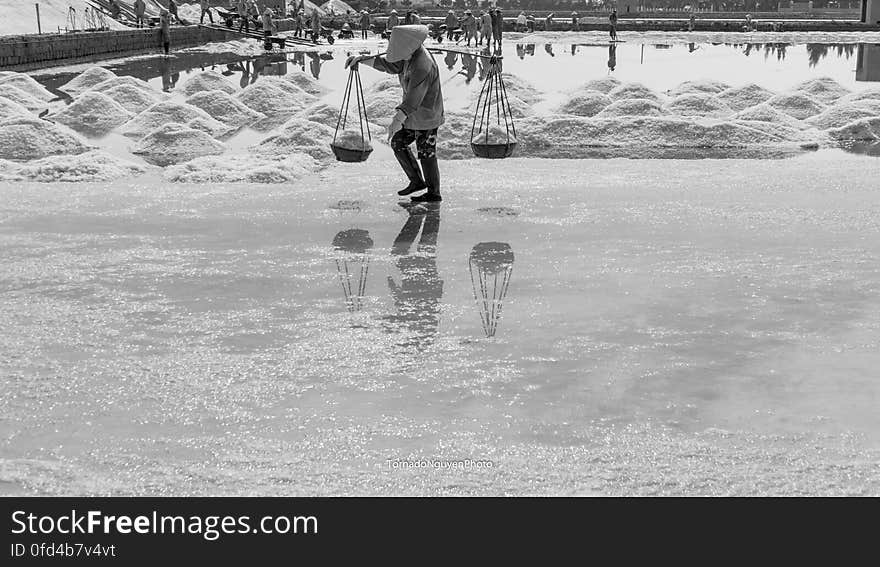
x,y
422,96
486,23
470,23
497,21
140,7
365,21
451,21
316,21
391,22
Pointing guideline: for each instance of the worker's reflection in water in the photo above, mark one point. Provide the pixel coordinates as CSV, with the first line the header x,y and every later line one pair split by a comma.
x,y
612,57
169,75
417,296
470,67
451,59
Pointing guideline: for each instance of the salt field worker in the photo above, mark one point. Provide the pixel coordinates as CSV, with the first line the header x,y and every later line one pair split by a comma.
x,y
470,27
300,24
485,28
365,24
497,26
242,9
613,21
530,19
691,22
548,22
115,10
451,24
165,30
521,22
172,11
140,7
316,25
419,114
392,21
575,22
206,9
268,24
415,19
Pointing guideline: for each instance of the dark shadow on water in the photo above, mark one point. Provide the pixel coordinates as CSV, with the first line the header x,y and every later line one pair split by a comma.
x,y
417,295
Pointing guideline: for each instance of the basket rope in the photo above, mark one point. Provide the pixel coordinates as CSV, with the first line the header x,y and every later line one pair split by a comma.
x,y
354,79
493,94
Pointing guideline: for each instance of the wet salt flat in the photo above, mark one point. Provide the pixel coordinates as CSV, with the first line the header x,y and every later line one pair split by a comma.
x,y
663,331
197,307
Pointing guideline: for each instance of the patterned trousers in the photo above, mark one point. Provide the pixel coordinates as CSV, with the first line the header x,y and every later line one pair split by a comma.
x,y
426,141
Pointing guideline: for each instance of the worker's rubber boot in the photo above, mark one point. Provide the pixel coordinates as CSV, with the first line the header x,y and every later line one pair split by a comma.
x,y
410,167
432,178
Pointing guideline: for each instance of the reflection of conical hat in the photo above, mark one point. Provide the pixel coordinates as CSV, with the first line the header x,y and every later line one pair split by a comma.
x,y
492,257
354,240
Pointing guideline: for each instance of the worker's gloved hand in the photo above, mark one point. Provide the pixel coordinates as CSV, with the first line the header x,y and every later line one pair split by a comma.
x,y
396,124
353,60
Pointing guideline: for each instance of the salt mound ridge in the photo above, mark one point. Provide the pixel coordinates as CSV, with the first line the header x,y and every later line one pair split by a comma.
x,y
863,130
870,94
604,86
307,83
388,83
168,112
555,134
633,90
844,113
796,105
325,114
589,103
104,86
25,99
86,80
740,98
86,167
298,135
522,89
132,98
699,104
382,106
11,109
225,108
32,138
824,89
768,114
207,81
92,113
28,85
632,107
275,99
242,169
704,86
176,143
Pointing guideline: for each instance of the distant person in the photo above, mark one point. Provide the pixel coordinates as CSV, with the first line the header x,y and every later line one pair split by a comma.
x,y
316,26
268,24
497,27
691,22
548,22
165,30
392,21
612,19
470,27
415,19
115,10
521,22
485,28
206,9
530,20
244,22
575,22
300,24
172,11
365,24
451,24
140,8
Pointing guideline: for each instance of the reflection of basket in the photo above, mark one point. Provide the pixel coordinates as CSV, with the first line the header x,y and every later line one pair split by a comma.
x,y
493,151
348,155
